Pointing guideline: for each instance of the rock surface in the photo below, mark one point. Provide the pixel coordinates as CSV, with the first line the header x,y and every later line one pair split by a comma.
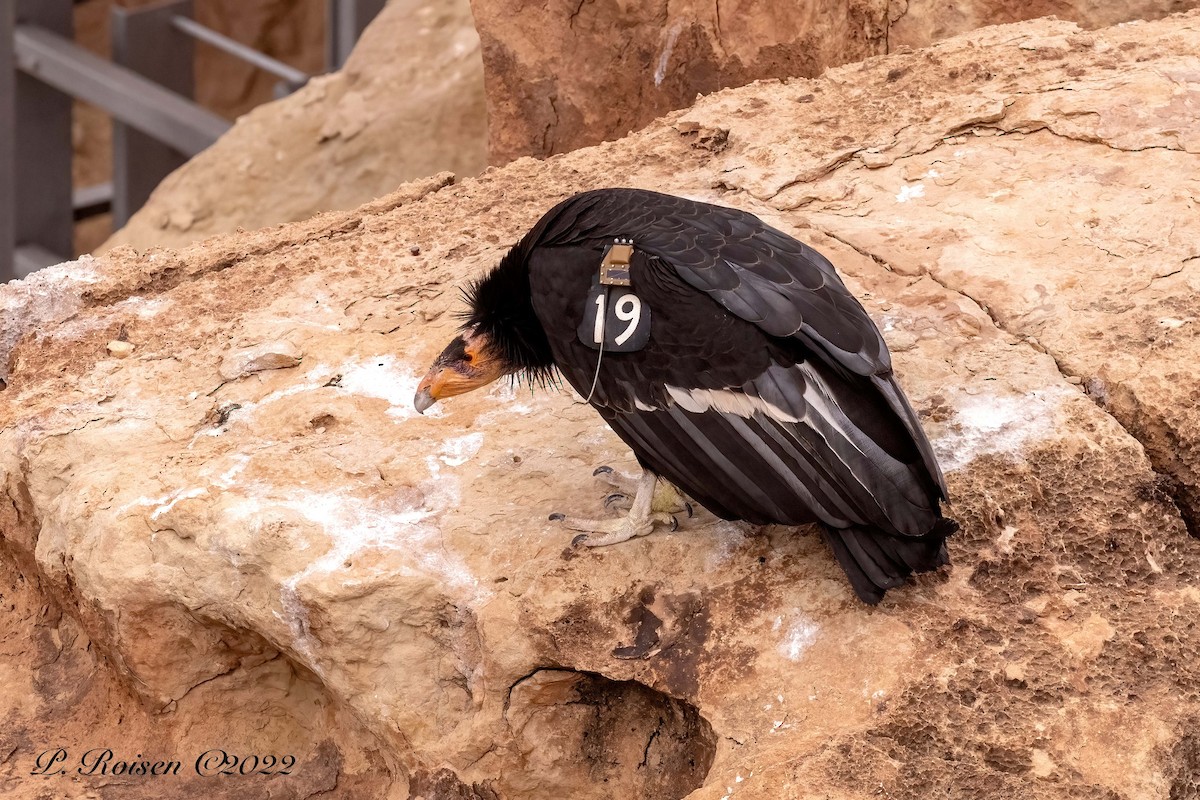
x,y
1016,211
589,72
592,72
342,140
919,23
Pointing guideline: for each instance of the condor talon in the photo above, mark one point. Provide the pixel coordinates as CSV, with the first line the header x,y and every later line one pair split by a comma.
x,y
616,500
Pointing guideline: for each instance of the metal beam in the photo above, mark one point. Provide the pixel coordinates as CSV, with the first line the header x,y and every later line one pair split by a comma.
x,y
8,145
42,148
347,20
127,96
91,201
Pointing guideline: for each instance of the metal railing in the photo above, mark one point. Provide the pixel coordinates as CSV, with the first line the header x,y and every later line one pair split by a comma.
x,y
146,88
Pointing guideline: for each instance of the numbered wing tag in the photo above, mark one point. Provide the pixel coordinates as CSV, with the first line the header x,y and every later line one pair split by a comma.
x,y
616,316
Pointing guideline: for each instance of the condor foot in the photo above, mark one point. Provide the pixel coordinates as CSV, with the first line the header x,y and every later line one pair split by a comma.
x,y
603,532
665,500
649,502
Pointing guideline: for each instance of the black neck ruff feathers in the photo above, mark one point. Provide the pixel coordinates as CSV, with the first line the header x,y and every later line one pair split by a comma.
x,y
501,309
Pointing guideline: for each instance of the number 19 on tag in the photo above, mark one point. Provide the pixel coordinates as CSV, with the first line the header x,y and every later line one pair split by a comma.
x,y
628,308
616,317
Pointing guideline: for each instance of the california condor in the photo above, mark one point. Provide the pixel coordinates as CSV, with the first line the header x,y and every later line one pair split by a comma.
x,y
730,357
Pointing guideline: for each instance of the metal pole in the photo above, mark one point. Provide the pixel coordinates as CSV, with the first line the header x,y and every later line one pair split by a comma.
x,y
347,20
43,147
146,41
8,146
296,78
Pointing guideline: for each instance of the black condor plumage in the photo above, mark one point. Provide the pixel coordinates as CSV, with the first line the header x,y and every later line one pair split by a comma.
x,y
763,391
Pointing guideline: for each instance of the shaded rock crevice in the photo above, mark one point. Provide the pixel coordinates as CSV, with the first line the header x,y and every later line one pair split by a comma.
x,y
1022,130
1163,445
584,735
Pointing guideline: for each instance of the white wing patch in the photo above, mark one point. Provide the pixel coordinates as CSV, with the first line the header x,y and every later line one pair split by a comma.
x,y
819,402
820,412
818,406
726,401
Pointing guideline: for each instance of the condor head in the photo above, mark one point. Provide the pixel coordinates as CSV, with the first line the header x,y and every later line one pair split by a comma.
x,y
467,363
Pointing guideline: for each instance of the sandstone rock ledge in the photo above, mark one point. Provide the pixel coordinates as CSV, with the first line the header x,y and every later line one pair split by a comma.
x,y
1017,209
586,72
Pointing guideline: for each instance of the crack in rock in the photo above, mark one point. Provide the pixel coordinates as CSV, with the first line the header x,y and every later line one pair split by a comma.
x,y
1175,489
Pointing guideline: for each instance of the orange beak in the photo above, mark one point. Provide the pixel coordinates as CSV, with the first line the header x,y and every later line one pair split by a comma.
x,y
464,365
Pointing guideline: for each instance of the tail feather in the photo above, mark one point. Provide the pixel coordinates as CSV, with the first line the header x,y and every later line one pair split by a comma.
x,y
875,561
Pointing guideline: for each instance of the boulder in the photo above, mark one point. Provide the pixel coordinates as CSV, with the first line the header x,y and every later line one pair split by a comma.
x,y
588,72
592,72
1016,211
346,138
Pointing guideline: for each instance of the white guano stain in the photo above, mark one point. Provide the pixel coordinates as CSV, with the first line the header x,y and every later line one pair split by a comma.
x,y
384,378
987,424
456,452
226,478
250,407
166,502
1171,322
1005,540
354,525
800,636
907,193
729,537
144,308
505,396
